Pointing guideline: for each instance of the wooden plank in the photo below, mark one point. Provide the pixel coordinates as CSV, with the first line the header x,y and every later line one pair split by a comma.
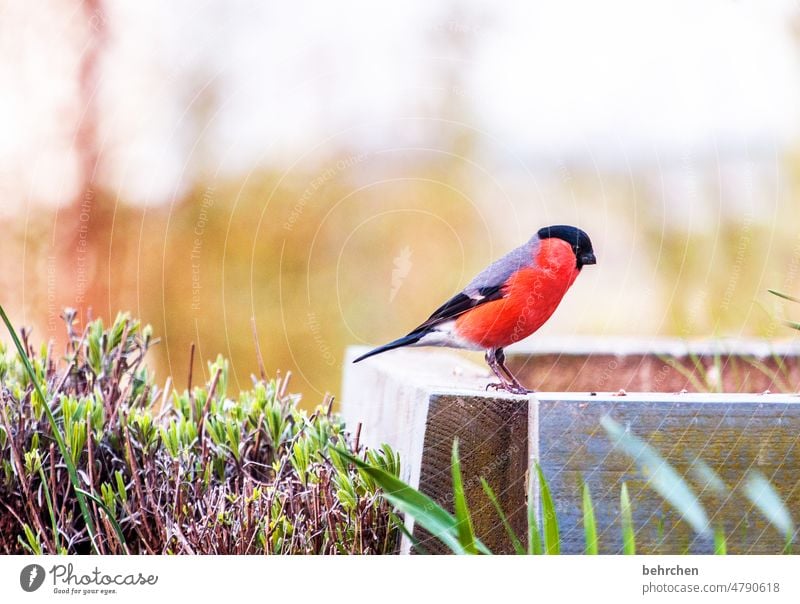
x,y
733,434
493,444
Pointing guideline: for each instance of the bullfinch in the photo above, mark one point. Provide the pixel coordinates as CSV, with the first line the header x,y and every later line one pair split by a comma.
x,y
507,302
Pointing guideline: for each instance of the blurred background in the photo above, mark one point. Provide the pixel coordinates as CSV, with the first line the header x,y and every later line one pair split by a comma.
x,y
334,171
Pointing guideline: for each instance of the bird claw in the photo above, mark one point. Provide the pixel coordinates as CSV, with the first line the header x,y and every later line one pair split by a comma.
x,y
511,388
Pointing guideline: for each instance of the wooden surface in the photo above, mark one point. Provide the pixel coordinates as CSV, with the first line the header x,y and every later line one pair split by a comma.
x,y
649,365
732,433
493,444
419,400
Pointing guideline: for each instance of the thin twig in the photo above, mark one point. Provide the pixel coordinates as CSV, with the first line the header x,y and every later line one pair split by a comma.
x,y
259,358
16,459
191,368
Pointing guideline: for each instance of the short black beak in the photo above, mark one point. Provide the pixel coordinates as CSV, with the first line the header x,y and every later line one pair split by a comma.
x,y
588,258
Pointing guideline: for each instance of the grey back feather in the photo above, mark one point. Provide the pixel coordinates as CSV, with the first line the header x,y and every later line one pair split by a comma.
x,y
498,272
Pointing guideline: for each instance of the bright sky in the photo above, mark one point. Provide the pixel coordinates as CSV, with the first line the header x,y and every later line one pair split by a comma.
x,y
190,85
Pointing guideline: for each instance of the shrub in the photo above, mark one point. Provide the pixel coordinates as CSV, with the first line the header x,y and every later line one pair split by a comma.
x,y
159,471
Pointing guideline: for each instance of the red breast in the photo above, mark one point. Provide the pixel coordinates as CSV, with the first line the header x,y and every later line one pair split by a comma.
x,y
532,296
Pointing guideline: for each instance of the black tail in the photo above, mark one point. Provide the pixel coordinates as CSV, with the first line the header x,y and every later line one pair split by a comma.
x,y
411,338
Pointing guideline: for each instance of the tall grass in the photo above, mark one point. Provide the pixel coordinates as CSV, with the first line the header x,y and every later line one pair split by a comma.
x,y
789,323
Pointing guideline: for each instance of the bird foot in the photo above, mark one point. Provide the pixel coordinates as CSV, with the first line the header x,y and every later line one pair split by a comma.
x,y
512,388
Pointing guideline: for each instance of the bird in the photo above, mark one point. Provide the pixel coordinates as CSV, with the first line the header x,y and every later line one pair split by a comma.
x,y
507,302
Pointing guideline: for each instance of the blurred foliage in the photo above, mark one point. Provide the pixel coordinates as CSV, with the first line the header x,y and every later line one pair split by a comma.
x,y
360,247
313,267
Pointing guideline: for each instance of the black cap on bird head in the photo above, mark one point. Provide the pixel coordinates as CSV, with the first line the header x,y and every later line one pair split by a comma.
x,y
578,239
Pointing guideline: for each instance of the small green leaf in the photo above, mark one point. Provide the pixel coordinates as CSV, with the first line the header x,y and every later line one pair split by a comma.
x,y
552,540
661,476
763,495
123,494
110,516
50,510
707,477
32,540
720,542
589,522
466,534
429,514
534,537
512,536
784,296
422,508
626,518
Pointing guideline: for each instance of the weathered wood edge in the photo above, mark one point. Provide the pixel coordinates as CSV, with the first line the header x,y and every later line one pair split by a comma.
x,y
637,346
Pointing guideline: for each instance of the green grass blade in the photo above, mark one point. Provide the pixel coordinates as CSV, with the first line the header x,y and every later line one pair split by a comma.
x,y
424,510
707,477
776,377
62,447
512,536
720,542
552,541
626,518
784,296
701,370
686,373
412,539
466,534
31,541
115,525
717,385
589,522
50,511
783,369
534,537
792,324
763,495
661,476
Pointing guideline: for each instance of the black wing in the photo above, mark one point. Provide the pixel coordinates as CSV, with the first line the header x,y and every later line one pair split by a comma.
x,y
486,287
455,306
461,303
